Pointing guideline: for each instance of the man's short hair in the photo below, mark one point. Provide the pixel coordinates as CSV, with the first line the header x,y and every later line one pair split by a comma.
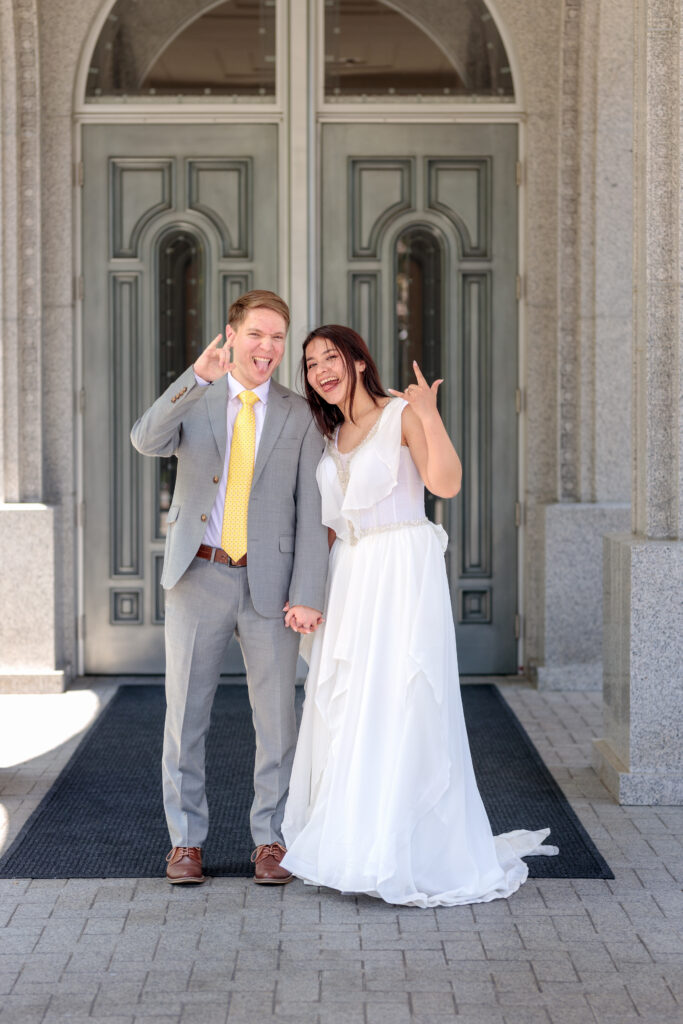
x,y
257,299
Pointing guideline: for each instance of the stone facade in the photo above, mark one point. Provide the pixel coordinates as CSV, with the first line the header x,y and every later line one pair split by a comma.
x,y
576,67
31,634
641,757
589,490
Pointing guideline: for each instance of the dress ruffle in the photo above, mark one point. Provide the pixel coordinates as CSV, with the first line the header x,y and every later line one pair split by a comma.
x,y
376,464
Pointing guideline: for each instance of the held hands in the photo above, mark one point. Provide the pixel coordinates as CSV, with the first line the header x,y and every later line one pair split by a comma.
x,y
302,619
214,362
421,397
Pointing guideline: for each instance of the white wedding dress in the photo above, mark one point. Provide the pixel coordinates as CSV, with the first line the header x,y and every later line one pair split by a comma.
x,y
383,798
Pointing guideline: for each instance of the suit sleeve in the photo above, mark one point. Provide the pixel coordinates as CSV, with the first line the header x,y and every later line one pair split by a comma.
x,y
311,552
158,431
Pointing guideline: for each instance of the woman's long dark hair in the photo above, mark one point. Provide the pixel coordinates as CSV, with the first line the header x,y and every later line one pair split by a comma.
x,y
352,349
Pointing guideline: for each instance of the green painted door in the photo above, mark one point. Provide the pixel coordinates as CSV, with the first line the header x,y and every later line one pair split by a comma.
x,y
419,254
170,238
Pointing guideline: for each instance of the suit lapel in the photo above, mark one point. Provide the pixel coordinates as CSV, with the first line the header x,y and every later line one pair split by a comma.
x,y
217,404
277,411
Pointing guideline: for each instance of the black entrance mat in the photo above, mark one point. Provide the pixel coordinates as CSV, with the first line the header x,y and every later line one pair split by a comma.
x,y
103,817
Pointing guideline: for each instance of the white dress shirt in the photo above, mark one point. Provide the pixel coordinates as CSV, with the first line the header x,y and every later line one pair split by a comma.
x,y
214,527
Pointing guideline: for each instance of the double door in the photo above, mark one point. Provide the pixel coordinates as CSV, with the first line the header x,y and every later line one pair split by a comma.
x,y
417,251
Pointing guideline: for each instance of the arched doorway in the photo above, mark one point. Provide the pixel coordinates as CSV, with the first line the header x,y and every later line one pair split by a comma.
x,y
403,223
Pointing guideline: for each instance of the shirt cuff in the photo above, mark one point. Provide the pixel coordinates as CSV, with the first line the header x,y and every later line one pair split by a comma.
x,y
200,380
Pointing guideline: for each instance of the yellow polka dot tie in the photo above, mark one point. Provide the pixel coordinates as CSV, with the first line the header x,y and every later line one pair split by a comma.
x,y
240,473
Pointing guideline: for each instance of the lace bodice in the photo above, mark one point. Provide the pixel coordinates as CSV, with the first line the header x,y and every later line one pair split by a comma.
x,y
375,486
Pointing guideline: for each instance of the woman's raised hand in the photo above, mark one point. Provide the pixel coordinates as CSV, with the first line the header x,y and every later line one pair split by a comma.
x,y
421,397
214,362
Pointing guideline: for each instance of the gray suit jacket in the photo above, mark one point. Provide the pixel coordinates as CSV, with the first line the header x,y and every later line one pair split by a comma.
x,y
286,541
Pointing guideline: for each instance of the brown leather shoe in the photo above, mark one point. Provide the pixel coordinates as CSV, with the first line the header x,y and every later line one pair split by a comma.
x,y
184,865
266,860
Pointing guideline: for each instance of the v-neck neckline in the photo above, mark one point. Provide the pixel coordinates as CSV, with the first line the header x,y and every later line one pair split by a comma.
x,y
371,432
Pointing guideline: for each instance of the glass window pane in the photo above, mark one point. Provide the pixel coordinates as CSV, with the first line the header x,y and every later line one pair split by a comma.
x,y
196,48
418,304
418,312
181,291
413,49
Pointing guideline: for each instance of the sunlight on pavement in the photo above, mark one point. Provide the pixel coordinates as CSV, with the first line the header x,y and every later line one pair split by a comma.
x,y
33,724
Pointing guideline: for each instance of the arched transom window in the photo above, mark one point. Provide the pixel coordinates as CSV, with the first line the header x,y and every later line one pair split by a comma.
x,y
151,49
398,50
421,49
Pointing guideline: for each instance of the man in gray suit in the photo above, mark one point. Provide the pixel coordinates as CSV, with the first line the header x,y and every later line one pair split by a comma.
x,y
246,551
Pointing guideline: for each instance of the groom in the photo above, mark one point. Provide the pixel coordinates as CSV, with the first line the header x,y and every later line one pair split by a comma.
x,y
245,544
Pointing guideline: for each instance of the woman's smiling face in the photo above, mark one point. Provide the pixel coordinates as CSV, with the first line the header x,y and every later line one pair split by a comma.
x,y
326,370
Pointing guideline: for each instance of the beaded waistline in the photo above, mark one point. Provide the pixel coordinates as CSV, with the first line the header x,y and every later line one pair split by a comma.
x,y
355,537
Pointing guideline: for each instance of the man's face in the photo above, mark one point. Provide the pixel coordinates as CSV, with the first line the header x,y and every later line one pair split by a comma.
x,y
258,345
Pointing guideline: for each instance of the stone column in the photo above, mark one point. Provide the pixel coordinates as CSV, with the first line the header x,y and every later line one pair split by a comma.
x,y
641,757
29,638
593,337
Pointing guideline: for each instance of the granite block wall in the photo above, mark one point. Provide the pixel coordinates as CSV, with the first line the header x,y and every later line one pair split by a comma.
x,y
29,640
573,592
640,758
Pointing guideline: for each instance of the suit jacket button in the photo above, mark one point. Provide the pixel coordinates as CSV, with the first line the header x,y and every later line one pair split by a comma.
x,y
173,399
183,391
203,518
216,479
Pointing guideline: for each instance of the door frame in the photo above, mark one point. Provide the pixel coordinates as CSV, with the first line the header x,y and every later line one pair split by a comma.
x,y
299,111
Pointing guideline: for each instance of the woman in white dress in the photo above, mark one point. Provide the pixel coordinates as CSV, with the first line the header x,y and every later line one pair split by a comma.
x,y
383,798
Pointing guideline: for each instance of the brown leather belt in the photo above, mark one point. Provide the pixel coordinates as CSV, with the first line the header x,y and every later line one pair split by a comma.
x,y
219,555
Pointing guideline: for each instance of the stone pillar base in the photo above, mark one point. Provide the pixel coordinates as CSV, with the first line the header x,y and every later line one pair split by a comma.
x,y
29,639
640,759
577,676
628,787
33,682
572,642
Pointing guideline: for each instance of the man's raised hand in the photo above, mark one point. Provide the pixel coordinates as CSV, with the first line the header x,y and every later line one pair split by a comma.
x,y
214,362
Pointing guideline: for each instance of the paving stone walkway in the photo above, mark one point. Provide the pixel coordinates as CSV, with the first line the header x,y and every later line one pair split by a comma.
x,y
228,952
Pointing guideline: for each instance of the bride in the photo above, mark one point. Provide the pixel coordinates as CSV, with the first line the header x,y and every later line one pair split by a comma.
x,y
383,798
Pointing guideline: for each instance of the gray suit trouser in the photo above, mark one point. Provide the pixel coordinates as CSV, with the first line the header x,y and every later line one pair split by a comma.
x,y
203,610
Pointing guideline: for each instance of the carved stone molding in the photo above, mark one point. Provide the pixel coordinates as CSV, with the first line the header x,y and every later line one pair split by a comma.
x,y
21,254
658,251
569,410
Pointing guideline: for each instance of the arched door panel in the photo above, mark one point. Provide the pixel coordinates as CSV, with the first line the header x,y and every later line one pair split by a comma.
x,y
419,254
170,239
